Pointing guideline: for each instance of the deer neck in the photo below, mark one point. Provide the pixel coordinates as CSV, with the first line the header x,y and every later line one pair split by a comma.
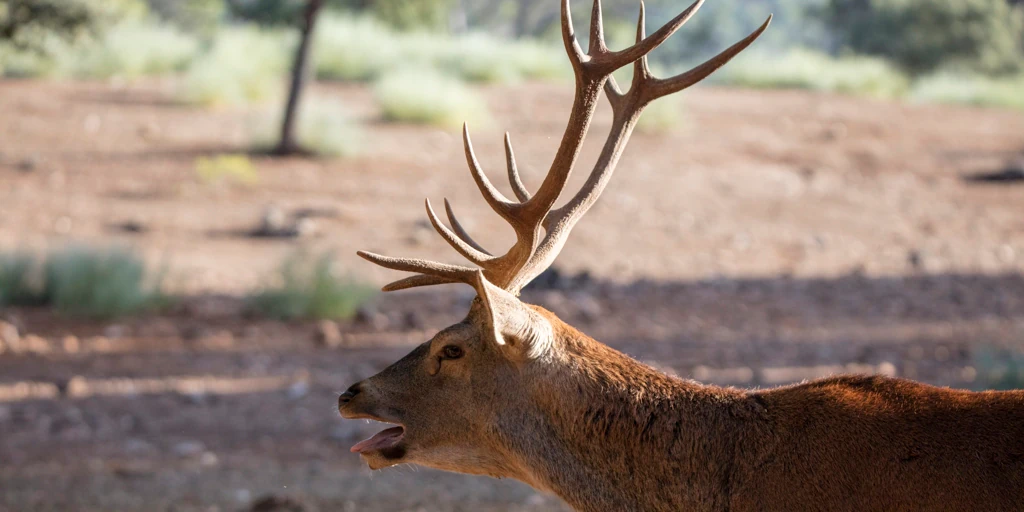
x,y
605,432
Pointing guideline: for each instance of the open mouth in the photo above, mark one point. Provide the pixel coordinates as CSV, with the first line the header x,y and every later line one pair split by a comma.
x,y
384,440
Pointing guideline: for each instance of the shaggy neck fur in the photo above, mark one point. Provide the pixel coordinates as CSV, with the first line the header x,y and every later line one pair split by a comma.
x,y
605,432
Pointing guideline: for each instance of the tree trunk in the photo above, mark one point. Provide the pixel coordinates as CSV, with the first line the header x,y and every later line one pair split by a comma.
x,y
300,70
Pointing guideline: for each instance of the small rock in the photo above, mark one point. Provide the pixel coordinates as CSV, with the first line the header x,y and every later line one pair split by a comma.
x,y
28,164
274,219
71,344
328,334
34,344
298,390
208,459
371,317
138,446
189,448
915,259
273,503
115,331
412,320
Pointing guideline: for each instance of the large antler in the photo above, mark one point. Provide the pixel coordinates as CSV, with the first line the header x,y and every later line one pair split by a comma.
x,y
533,250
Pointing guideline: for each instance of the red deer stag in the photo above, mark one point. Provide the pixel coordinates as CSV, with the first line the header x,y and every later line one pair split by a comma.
x,y
512,391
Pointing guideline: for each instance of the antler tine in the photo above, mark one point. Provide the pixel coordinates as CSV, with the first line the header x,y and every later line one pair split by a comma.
x,y
597,30
463,248
572,46
432,268
459,230
640,69
664,87
416,281
513,173
611,61
498,202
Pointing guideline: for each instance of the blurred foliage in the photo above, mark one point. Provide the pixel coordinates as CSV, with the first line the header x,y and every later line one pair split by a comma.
x,y
362,49
243,65
966,89
998,369
923,35
132,49
27,24
199,16
325,128
308,287
805,69
101,283
663,116
80,281
425,96
413,14
18,276
266,12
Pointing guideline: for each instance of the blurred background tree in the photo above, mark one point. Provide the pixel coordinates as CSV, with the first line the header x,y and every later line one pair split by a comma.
x,y
923,35
27,23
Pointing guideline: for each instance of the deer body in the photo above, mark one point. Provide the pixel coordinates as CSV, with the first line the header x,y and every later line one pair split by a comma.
x,y
623,436
511,391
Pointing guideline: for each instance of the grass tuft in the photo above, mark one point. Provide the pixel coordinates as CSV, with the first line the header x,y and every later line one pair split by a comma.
x,y
18,280
215,170
982,91
99,283
309,287
424,96
79,281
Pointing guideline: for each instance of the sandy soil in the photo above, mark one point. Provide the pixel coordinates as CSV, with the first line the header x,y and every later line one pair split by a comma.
x,y
777,236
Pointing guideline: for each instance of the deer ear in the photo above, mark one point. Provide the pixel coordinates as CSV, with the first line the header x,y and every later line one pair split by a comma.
x,y
510,324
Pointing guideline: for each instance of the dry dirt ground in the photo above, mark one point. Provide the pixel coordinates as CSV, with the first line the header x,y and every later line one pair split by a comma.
x,y
776,236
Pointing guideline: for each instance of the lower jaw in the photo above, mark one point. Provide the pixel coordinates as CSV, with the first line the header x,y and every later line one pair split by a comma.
x,y
386,457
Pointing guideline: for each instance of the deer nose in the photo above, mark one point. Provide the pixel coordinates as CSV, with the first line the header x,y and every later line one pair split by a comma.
x,y
348,395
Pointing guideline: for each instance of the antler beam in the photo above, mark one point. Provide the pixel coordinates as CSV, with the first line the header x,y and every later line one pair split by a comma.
x,y
541,230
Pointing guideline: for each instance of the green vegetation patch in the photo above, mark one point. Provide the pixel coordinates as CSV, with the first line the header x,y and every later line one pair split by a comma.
x,y
308,287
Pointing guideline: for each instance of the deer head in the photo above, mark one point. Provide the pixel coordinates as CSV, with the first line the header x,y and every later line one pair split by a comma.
x,y
456,399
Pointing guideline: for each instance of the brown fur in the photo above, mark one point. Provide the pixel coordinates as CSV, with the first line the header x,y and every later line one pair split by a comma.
x,y
607,433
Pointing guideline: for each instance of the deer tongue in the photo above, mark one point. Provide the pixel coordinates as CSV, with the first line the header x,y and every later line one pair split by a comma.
x,y
381,440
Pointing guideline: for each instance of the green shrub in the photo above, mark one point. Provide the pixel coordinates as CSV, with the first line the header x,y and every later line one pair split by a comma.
x,y
133,49
946,87
805,69
200,16
18,279
244,65
413,14
425,96
100,283
923,35
355,49
363,49
308,287
22,63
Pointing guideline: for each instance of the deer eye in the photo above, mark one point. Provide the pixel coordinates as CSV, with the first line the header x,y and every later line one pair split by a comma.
x,y
452,352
